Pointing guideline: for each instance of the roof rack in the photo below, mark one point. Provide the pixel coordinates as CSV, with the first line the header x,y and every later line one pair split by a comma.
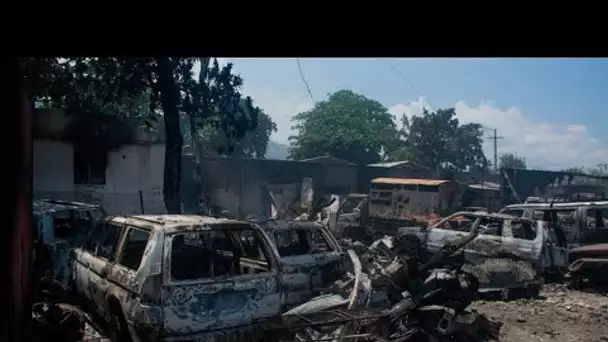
x,y
145,219
570,198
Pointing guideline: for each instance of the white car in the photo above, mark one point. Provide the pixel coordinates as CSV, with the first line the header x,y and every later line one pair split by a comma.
x,y
178,277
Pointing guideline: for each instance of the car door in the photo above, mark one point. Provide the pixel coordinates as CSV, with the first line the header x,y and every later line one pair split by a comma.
x,y
101,264
82,259
523,240
203,291
304,251
122,274
489,240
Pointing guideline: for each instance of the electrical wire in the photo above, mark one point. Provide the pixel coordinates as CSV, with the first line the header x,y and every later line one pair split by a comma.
x,y
403,78
304,80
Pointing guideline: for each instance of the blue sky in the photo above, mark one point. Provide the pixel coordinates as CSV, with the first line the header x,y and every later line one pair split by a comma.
x,y
551,111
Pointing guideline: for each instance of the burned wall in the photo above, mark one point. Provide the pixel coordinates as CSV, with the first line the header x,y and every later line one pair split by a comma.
x,y
242,185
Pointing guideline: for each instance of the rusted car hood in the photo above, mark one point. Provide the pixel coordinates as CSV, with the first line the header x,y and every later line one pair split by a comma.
x,y
589,251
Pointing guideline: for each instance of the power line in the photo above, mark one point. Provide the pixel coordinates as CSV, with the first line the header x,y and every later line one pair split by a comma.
x,y
304,80
403,78
494,137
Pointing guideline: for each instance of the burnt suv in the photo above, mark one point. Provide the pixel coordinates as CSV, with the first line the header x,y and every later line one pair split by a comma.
x,y
504,252
583,222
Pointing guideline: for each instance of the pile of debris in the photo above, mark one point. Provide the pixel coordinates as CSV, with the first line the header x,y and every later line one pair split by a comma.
x,y
387,296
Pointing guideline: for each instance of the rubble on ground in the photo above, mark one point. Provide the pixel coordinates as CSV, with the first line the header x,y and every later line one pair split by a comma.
x,y
386,294
389,297
559,314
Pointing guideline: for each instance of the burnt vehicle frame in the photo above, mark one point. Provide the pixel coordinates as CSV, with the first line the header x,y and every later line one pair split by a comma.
x,y
309,255
500,241
583,221
588,265
163,288
429,302
57,227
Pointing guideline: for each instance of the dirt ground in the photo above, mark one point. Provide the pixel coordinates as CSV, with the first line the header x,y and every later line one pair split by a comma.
x,y
559,315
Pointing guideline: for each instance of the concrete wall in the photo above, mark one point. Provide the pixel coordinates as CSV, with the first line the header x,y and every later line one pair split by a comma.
x,y
242,185
130,169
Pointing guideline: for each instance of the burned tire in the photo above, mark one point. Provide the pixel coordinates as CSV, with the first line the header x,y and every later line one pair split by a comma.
x,y
502,273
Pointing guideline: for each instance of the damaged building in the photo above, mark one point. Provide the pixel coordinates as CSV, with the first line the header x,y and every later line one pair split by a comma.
x,y
127,179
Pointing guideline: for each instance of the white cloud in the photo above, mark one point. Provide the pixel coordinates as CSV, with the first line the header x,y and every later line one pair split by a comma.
x,y
413,108
544,145
279,105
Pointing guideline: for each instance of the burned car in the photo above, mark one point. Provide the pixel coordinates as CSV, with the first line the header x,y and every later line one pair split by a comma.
x,y
583,221
310,257
57,227
504,252
588,265
179,277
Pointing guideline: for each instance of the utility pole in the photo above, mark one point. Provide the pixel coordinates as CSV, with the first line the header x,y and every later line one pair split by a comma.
x,y
495,137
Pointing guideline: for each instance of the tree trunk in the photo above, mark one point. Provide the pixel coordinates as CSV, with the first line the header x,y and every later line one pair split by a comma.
x,y
197,149
169,98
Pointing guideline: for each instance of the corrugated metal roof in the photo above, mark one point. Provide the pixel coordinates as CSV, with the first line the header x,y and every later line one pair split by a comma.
x,y
40,206
389,164
491,186
328,159
408,181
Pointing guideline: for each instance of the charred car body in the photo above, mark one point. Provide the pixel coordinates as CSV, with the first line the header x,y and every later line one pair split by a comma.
x,y
59,226
503,252
589,264
583,222
310,257
177,277
427,303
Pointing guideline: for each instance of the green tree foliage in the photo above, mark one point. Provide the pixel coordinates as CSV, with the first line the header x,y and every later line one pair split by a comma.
x,y
347,125
438,139
511,160
252,145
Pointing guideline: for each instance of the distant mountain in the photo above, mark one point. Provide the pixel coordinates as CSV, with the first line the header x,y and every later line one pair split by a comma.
x,y
276,150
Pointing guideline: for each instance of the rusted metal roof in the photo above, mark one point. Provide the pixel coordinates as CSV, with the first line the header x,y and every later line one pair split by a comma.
x,y
408,181
490,186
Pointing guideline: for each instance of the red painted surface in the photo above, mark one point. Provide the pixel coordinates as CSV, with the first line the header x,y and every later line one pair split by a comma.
x,y
589,251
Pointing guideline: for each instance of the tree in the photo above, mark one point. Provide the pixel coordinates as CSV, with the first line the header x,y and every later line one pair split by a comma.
x,y
347,125
253,145
437,139
512,161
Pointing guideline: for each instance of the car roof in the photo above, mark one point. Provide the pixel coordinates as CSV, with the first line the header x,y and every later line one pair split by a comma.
x,y
177,223
43,206
493,215
556,205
